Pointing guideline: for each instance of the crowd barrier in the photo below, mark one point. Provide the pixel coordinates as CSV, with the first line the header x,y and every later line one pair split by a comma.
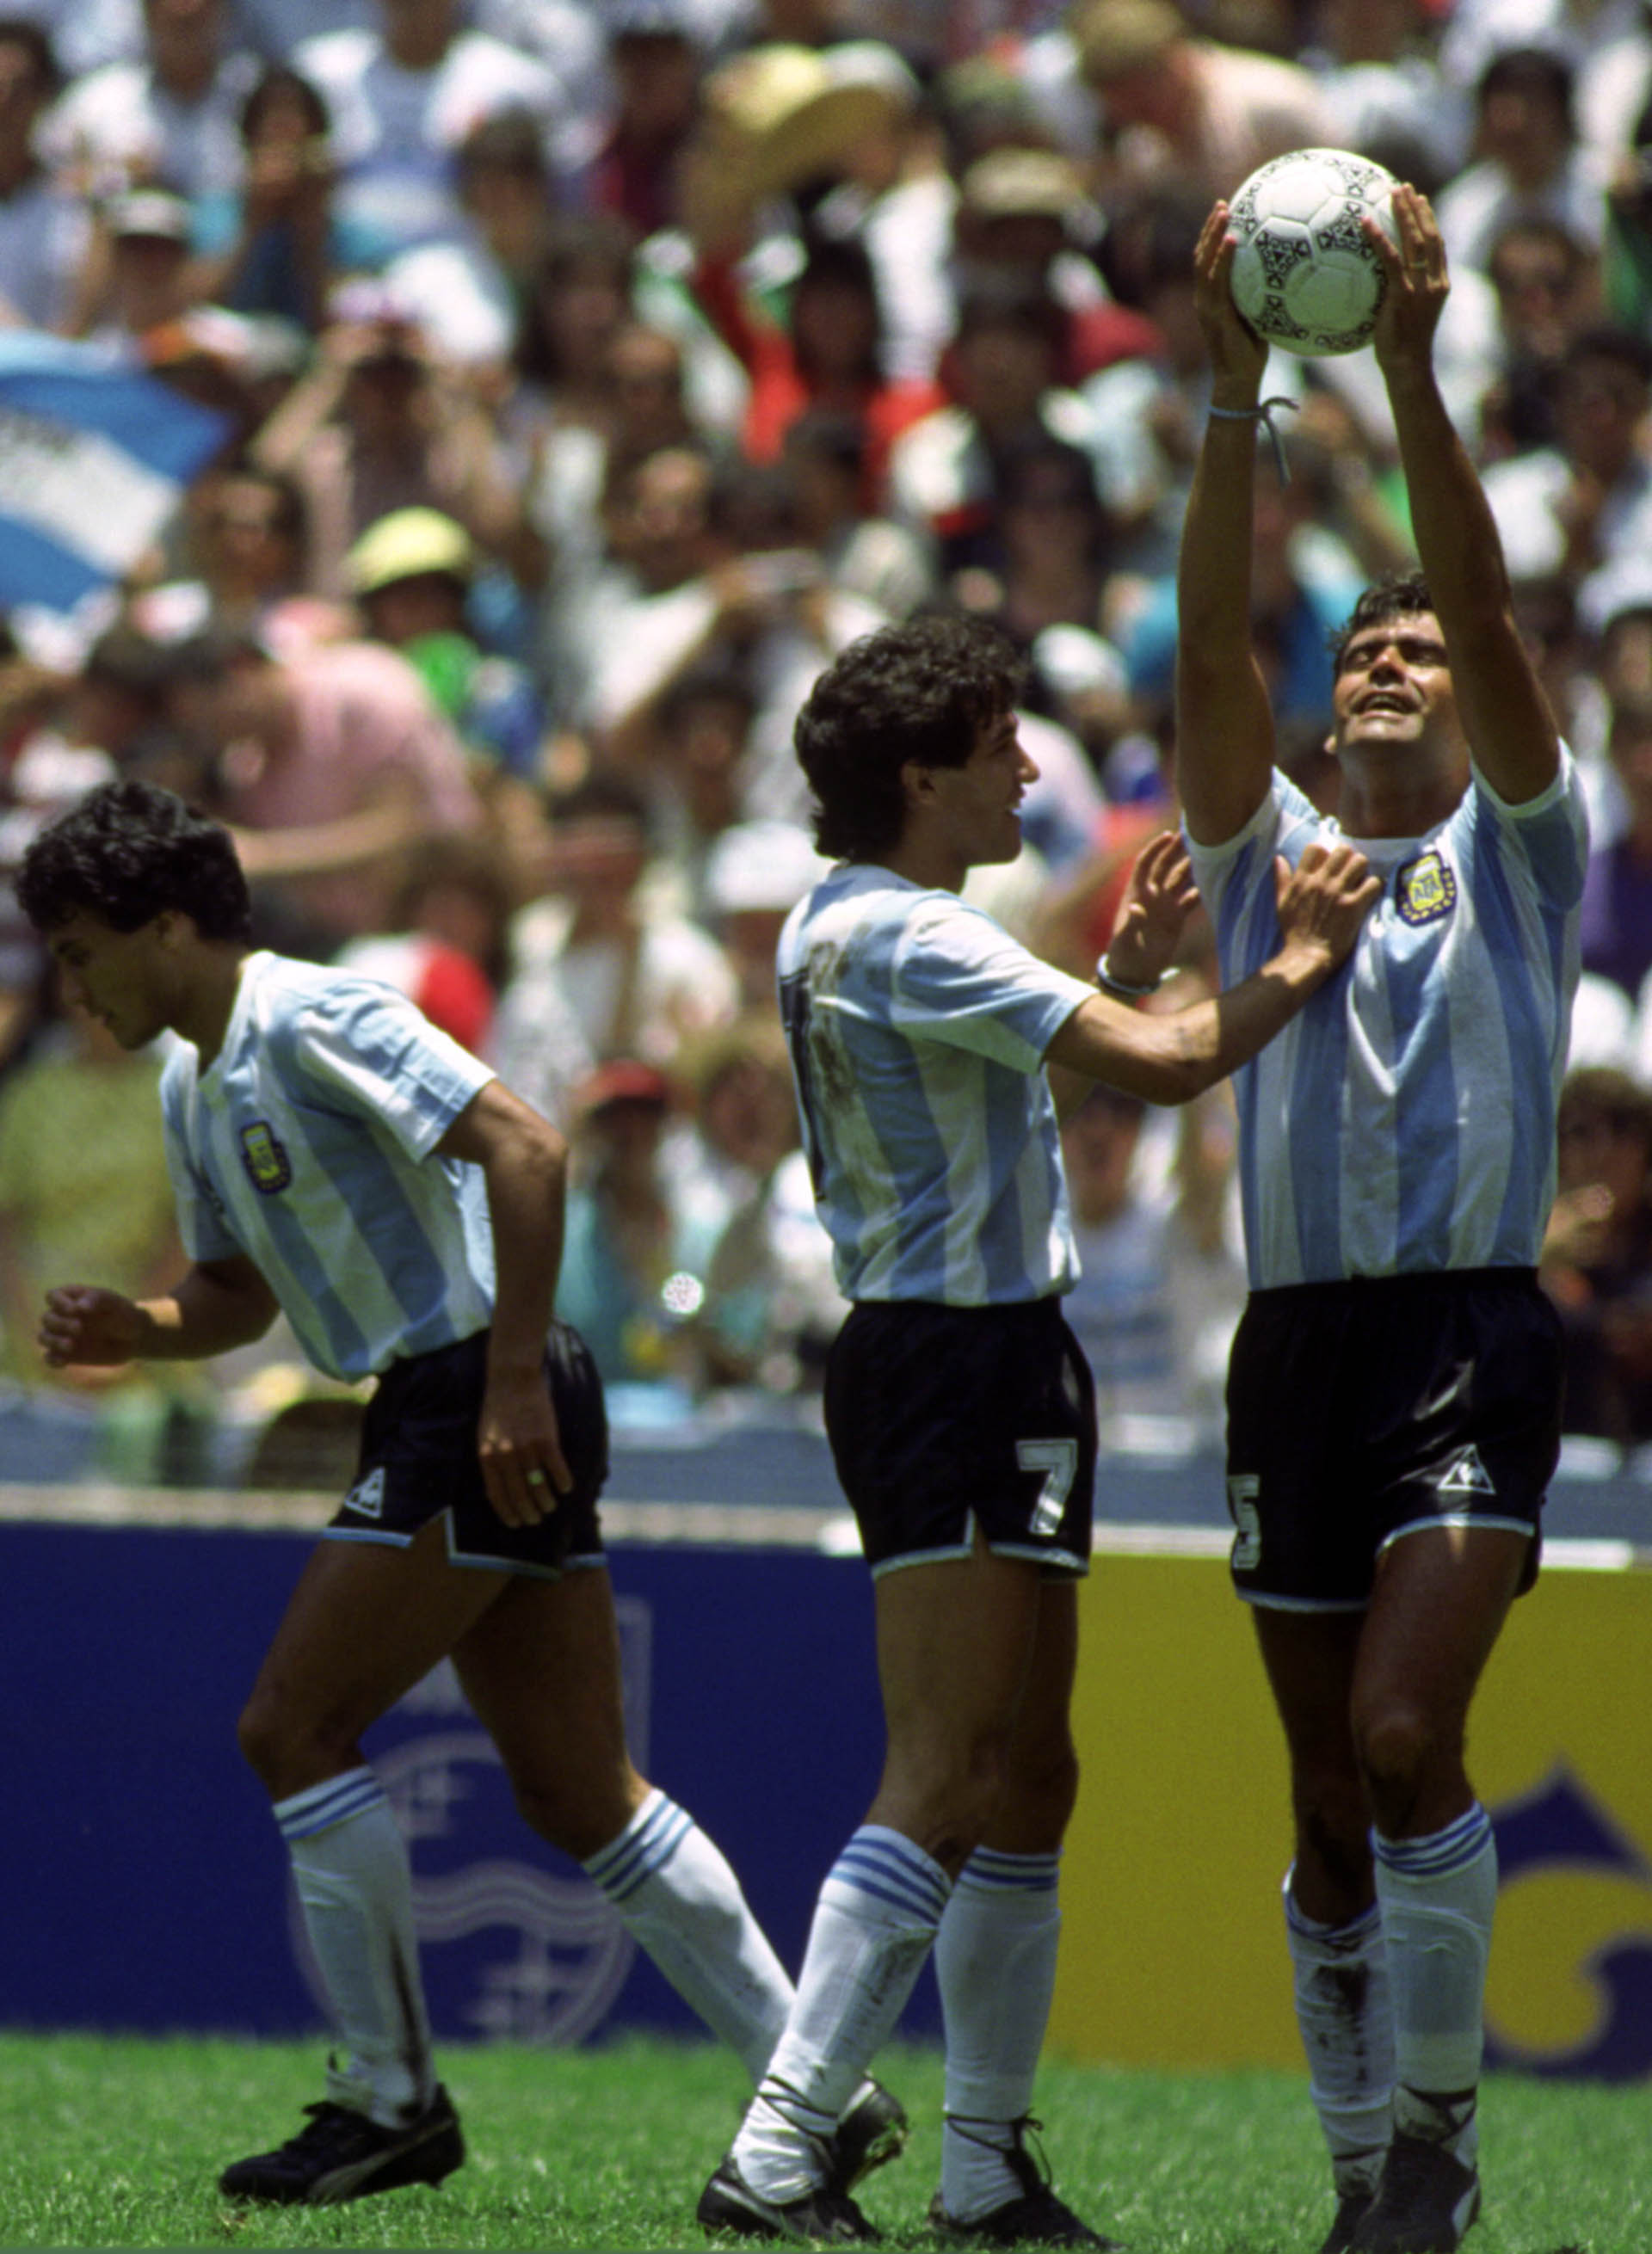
x,y
145,1887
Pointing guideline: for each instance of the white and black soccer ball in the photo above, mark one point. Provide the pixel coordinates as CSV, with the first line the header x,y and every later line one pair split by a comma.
x,y
1304,274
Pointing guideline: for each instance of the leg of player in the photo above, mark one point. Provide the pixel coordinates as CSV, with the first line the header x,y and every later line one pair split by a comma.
x,y
1333,1927
995,1964
364,1625
955,1641
1440,1597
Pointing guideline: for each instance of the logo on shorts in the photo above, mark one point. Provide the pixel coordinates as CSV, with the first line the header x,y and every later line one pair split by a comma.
x,y
268,1168
1467,1476
1426,890
366,1498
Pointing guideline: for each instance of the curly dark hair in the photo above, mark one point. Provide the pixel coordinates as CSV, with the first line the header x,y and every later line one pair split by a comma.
x,y
1401,595
921,691
126,853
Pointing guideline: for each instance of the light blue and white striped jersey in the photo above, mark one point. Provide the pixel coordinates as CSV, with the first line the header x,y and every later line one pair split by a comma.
x,y
1404,1121
917,1030
306,1145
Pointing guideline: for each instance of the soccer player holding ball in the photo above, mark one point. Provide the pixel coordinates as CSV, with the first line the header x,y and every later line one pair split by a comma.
x,y
960,1411
1394,1390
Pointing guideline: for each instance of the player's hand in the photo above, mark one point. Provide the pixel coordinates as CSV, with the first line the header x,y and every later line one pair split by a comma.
x,y
84,1325
1323,901
1238,356
1158,898
1418,282
520,1448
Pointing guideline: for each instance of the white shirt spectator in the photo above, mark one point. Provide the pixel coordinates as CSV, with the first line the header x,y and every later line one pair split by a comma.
x,y
120,124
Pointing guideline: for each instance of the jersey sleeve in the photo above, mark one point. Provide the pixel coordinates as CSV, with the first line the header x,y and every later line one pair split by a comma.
x,y
365,1050
1550,833
960,978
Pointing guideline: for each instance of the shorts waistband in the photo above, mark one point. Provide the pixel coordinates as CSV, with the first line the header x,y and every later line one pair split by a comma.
x,y
1413,1280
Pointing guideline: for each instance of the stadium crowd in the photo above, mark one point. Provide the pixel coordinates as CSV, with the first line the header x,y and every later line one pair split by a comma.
x,y
588,377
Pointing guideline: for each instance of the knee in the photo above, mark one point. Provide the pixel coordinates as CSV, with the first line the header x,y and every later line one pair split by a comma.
x,y
1040,1794
578,1823
1401,1749
288,1750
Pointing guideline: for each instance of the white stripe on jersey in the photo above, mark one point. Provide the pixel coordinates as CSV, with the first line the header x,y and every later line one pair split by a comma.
x,y
307,1145
917,1029
1404,1121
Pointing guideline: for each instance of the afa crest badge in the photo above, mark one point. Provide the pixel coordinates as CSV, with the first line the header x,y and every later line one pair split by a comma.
x,y
264,1156
1425,889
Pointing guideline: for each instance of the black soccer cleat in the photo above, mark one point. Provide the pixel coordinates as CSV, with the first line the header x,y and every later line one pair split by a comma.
x,y
344,2155
1037,2217
871,2133
823,2217
1424,2202
1350,2209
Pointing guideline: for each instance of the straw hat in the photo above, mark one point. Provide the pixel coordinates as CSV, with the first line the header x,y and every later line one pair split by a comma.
x,y
778,116
1114,37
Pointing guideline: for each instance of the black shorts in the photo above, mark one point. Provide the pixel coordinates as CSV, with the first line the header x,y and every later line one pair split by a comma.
x,y
942,1419
1363,1411
418,1461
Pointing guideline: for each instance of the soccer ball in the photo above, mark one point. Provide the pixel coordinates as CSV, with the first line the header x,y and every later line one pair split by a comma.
x,y
1304,274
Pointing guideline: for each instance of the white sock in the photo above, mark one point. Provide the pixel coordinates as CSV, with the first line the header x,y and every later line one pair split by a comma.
x,y
1347,2024
874,1924
681,1901
995,1960
350,1867
1437,1895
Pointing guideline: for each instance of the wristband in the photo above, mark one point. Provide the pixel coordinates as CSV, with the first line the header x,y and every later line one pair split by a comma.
x,y
1264,414
1121,990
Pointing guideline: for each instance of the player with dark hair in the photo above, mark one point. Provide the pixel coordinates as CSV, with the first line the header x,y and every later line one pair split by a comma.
x,y
960,1411
335,1156
1394,1389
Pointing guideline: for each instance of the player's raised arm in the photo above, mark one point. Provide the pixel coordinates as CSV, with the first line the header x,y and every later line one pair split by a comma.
x,y
1170,1059
1505,715
1224,722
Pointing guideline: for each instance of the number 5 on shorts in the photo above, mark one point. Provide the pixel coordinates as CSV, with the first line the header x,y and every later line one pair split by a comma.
x,y
1243,1488
1058,1460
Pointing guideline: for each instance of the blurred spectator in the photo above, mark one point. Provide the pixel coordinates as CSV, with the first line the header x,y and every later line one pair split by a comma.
x,y
136,280
629,1278
1596,1263
334,766
1054,550
861,551
1177,104
756,873
1616,931
44,231
376,425
272,244
403,98
597,971
1384,90
1003,366
1573,510
654,58
447,948
1023,212
1546,292
172,119
1528,161
1159,1289
411,575
84,1184
247,532
828,354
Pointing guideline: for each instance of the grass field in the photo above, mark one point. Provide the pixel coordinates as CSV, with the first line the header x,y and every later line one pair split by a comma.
x,y
118,2143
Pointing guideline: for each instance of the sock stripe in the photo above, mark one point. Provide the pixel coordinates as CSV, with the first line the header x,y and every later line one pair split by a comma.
x,y
1352,1937
648,1843
324,1805
993,1872
892,1870
1437,1852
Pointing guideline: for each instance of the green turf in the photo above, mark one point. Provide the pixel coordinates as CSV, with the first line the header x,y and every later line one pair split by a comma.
x,y
117,2143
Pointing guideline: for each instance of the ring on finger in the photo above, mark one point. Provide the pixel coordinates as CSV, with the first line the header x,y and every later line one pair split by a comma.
x,y
535,1478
